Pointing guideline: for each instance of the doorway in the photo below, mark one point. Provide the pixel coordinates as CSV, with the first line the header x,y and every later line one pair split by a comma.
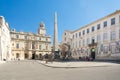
x,y
33,55
26,56
93,53
17,55
40,56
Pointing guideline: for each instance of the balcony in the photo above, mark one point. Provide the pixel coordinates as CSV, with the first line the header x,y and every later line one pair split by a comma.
x,y
93,43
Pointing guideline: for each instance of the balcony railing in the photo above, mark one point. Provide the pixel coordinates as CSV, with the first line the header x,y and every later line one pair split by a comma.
x,y
92,44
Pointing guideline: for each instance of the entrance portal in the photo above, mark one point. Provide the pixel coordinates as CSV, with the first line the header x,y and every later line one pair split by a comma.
x,y
17,55
93,53
26,55
33,56
40,56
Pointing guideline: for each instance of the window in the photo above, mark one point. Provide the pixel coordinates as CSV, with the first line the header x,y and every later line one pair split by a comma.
x,y
65,33
17,46
88,41
33,45
73,36
98,38
46,39
83,42
79,43
119,34
79,34
17,36
83,32
88,30
26,45
117,49
112,21
3,30
40,38
113,48
76,35
40,47
93,40
76,44
105,36
119,18
46,47
25,37
105,24
105,49
113,35
98,26
73,45
93,29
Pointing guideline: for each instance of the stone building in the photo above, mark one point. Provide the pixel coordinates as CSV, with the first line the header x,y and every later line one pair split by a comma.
x,y
5,40
99,39
29,45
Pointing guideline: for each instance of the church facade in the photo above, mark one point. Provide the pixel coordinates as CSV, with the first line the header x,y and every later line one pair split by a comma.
x,y
27,45
99,39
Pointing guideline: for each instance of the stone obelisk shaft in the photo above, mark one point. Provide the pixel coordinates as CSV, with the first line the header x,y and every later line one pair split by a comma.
x,y
55,43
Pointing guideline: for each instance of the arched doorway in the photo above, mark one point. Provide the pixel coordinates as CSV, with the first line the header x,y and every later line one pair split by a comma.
x,y
17,56
40,56
33,55
93,53
26,56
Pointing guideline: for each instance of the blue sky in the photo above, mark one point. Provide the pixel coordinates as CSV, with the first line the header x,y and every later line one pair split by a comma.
x,y
26,15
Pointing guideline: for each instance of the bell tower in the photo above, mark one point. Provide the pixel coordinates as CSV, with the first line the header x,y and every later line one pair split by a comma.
x,y
41,29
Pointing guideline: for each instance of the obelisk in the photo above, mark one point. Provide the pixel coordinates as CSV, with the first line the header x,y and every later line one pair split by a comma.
x,y
55,42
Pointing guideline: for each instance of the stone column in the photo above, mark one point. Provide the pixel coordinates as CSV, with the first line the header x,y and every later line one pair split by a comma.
x,y
55,43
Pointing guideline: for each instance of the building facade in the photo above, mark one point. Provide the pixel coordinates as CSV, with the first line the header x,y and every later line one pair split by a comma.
x,y
30,46
5,40
99,39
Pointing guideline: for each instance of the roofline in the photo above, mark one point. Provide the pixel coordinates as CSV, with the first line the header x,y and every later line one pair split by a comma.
x,y
68,31
29,33
117,11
